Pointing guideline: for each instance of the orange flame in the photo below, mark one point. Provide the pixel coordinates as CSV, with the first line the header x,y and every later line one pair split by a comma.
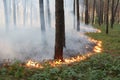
x,y
33,64
98,31
96,49
79,58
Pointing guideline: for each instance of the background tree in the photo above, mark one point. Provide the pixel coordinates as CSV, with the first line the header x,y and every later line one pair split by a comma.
x,y
114,11
86,12
60,29
31,12
78,16
74,11
42,18
14,12
107,17
25,4
6,14
49,15
93,16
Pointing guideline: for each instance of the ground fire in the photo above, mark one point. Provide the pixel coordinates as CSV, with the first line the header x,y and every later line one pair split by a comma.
x,y
97,49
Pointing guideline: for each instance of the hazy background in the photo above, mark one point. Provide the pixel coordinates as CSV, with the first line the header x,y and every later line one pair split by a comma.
x,y
27,42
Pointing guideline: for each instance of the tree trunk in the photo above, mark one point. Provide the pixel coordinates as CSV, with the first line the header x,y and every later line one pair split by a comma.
x,y
31,13
74,10
60,29
93,19
86,12
101,14
114,12
49,15
78,16
42,19
24,22
14,12
6,15
107,19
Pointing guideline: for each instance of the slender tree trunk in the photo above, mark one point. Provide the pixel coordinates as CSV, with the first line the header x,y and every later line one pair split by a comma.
x,y
99,18
74,10
6,15
93,19
24,22
31,13
114,12
14,12
42,18
118,16
86,12
107,20
102,6
78,16
60,29
48,11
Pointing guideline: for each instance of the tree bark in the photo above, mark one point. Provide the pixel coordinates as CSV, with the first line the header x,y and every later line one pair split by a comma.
x,y
78,16
42,18
93,18
74,10
114,12
24,22
49,15
14,12
86,12
60,29
107,19
6,15
31,13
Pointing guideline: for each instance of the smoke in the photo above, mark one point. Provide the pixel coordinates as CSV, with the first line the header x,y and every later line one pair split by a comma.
x,y
30,43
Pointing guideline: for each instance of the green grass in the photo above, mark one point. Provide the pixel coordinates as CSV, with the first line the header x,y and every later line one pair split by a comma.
x,y
98,67
111,41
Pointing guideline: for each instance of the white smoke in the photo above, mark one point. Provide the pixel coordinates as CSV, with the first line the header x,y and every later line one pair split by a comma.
x,y
30,43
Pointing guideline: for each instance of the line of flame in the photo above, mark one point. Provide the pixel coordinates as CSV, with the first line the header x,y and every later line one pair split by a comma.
x,y
97,49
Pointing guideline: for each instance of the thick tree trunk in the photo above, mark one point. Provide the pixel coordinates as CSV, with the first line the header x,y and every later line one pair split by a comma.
x,y
78,16
86,12
42,18
60,29
114,11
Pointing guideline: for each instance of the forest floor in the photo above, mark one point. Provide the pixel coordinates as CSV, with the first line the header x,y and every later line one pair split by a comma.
x,y
105,66
111,41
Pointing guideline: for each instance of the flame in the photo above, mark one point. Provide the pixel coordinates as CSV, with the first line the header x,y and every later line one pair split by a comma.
x,y
96,49
98,31
79,58
33,64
